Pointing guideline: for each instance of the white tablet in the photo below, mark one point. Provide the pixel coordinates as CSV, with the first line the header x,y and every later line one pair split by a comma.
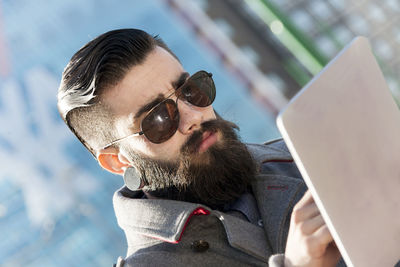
x,y
343,130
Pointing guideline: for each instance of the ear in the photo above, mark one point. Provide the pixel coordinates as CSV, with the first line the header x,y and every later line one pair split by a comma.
x,y
109,160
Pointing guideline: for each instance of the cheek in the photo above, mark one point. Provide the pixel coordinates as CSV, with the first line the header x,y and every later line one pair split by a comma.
x,y
209,114
166,151
169,151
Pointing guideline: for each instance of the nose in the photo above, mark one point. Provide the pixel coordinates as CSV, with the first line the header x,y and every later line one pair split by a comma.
x,y
191,117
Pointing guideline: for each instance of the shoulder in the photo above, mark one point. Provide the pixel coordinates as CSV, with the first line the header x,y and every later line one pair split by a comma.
x,y
273,157
274,149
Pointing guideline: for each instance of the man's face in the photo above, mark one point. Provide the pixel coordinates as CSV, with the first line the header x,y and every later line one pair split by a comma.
x,y
202,162
156,77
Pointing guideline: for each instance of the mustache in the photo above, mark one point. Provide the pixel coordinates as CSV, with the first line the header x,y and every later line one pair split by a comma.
x,y
193,142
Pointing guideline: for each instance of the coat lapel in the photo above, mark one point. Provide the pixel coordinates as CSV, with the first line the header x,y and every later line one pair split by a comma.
x,y
276,195
277,192
245,236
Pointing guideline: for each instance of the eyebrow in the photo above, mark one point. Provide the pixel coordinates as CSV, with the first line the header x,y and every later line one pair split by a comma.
x,y
160,97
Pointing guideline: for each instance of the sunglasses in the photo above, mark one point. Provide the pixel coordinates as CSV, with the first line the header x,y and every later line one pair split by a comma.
x,y
162,121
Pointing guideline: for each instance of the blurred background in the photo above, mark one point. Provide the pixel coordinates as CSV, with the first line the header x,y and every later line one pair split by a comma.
x,y
55,202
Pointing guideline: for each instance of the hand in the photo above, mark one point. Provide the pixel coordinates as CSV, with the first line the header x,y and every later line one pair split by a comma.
x,y
309,241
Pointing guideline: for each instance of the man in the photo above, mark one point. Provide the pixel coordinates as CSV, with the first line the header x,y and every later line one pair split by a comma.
x,y
194,195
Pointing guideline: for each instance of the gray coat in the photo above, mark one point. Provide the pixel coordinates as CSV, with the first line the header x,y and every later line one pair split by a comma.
x,y
174,233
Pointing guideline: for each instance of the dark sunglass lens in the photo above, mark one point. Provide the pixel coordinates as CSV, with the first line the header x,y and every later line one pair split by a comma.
x,y
162,122
199,90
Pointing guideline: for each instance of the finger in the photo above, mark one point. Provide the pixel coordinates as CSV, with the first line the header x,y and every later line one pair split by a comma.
x,y
318,242
312,225
304,213
306,199
322,235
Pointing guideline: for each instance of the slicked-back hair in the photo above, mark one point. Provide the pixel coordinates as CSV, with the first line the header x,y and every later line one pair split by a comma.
x,y
100,64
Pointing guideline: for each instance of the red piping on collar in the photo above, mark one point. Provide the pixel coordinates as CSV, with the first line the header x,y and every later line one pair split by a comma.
x,y
198,211
278,187
274,160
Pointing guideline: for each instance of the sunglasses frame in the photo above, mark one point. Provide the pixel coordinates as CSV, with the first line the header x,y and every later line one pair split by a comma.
x,y
178,94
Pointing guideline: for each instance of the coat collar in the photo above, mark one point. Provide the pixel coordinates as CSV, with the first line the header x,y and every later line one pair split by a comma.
x,y
275,150
158,218
166,220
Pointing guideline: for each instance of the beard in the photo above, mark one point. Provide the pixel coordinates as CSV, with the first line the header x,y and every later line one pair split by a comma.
x,y
215,177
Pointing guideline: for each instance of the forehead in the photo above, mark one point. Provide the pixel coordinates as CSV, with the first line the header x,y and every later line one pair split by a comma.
x,y
143,83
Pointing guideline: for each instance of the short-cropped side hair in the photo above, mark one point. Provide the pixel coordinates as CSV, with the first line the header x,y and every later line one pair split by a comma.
x,y
99,65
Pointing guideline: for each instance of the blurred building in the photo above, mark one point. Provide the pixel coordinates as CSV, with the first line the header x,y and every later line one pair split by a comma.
x,y
290,41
